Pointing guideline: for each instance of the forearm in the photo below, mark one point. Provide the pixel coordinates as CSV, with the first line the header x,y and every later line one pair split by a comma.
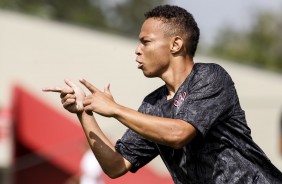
x,y
112,163
170,132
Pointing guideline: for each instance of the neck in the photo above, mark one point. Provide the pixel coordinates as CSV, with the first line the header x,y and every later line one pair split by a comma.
x,y
177,75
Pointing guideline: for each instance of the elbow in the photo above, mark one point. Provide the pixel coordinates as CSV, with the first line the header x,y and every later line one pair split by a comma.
x,y
116,169
180,139
113,175
175,142
178,144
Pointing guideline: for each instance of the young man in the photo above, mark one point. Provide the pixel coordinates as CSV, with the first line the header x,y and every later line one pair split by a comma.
x,y
194,122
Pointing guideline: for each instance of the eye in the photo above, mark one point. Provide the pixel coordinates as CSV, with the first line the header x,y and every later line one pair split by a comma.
x,y
145,42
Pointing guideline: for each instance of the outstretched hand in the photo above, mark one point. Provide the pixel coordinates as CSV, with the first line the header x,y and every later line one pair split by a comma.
x,y
72,96
100,102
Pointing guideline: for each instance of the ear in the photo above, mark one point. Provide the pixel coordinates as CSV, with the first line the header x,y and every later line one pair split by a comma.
x,y
177,44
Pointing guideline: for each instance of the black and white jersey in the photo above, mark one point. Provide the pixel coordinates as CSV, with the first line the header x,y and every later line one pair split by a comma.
x,y
222,152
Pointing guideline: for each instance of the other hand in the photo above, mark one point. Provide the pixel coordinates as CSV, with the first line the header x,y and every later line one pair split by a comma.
x,y
100,102
71,96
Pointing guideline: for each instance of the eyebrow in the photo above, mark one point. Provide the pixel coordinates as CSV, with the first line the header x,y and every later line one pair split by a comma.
x,y
143,38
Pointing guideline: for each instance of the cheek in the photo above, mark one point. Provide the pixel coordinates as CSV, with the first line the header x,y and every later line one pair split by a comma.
x,y
159,62
161,53
156,55
159,49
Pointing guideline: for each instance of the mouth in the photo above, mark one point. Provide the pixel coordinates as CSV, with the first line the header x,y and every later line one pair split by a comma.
x,y
140,65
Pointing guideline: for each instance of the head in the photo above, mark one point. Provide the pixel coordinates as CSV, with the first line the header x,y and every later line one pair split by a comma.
x,y
166,32
178,22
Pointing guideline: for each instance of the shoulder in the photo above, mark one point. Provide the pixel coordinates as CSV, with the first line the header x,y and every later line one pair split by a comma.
x,y
210,73
207,69
208,78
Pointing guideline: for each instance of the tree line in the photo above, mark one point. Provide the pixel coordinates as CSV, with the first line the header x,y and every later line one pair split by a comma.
x,y
120,17
259,46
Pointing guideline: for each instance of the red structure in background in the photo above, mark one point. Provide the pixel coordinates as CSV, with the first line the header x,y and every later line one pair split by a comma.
x,y
48,146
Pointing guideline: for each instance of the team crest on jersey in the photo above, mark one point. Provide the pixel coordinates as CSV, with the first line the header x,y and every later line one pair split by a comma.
x,y
178,102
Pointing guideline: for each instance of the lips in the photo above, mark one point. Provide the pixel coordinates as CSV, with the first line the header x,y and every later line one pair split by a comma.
x,y
140,65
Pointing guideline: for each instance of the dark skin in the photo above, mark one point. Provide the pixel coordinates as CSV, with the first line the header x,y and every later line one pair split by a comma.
x,y
158,55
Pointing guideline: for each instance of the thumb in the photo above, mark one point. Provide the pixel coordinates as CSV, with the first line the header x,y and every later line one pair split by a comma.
x,y
70,83
107,89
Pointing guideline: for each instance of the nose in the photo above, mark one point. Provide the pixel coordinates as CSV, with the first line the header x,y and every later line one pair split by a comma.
x,y
138,50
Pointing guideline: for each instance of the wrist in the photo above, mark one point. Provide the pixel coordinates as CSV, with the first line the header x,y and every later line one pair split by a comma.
x,y
117,111
88,113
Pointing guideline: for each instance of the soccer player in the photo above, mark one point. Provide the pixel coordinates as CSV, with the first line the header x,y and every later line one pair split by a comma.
x,y
194,121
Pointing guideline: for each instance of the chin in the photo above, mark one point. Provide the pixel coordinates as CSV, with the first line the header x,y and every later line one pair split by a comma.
x,y
149,75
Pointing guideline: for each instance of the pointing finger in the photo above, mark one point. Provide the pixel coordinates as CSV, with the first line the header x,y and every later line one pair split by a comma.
x,y
67,90
89,86
58,90
52,89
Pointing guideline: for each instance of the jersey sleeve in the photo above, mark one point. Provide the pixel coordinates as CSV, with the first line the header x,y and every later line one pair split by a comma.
x,y
136,149
209,100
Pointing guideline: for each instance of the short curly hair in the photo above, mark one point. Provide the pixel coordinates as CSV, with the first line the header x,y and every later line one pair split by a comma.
x,y
180,22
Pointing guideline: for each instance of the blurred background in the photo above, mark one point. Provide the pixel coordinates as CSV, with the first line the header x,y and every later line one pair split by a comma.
x,y
44,41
